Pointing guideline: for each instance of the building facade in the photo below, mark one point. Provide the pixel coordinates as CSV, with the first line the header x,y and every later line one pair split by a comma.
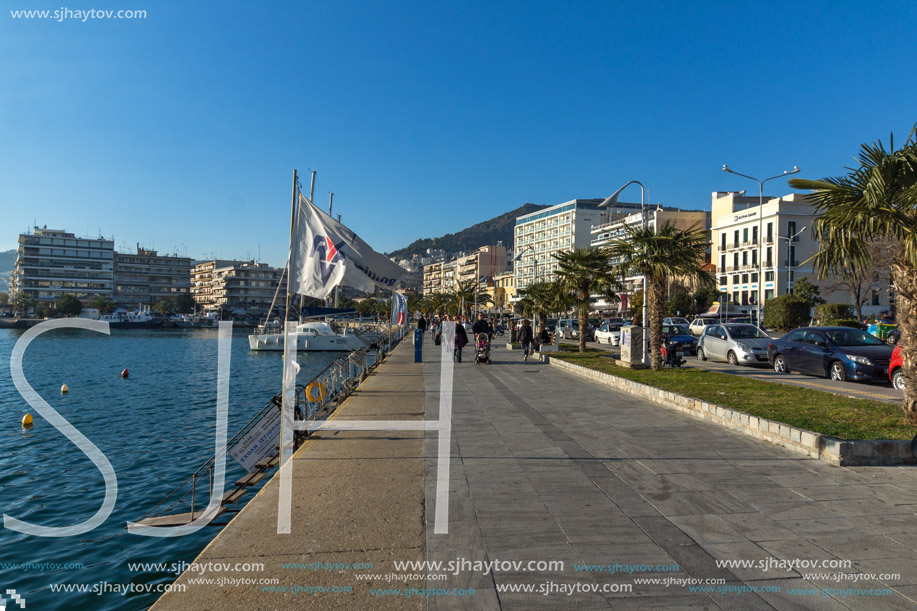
x,y
615,229
562,227
51,262
146,277
219,285
485,263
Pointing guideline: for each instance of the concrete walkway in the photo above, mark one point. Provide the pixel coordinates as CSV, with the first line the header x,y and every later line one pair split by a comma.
x,y
549,466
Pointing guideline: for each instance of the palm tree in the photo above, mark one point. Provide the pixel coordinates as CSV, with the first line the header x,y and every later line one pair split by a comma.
x,y
103,304
543,298
466,294
582,273
877,201
657,255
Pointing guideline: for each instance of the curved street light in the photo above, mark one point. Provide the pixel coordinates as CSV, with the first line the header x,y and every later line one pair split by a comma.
x,y
761,230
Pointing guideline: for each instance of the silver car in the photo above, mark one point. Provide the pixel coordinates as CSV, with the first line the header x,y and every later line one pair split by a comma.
x,y
736,344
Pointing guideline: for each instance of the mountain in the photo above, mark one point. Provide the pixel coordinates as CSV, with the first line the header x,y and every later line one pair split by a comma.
x,y
7,261
497,229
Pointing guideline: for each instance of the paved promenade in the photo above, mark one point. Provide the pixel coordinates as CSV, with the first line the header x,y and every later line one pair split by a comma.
x,y
551,467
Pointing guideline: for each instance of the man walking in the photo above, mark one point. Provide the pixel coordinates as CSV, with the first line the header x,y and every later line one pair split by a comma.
x,y
526,336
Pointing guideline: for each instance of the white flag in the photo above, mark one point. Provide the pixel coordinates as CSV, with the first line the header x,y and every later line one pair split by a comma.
x,y
327,254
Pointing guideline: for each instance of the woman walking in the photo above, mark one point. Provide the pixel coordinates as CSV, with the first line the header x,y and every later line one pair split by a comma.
x,y
461,339
525,338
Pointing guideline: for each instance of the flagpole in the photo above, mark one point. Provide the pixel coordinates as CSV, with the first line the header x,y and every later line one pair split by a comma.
x,y
286,314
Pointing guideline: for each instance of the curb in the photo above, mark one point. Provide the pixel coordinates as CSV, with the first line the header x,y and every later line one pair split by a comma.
x,y
839,452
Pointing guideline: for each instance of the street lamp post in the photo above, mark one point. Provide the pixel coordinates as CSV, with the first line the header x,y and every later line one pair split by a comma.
x,y
761,231
789,260
611,201
534,273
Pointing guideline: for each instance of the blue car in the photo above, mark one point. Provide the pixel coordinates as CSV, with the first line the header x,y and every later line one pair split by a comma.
x,y
680,335
839,353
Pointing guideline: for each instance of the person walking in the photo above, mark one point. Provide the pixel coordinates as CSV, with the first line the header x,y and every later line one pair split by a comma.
x,y
526,337
422,324
461,340
480,325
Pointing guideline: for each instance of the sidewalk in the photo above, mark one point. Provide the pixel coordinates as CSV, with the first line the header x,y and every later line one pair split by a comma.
x,y
548,466
357,498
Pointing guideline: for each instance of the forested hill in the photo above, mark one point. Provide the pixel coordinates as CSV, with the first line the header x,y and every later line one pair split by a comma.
x,y
497,229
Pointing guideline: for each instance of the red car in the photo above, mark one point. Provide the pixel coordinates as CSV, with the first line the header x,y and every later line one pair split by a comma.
x,y
896,369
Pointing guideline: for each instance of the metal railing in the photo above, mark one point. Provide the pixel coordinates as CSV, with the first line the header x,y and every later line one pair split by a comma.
x,y
314,400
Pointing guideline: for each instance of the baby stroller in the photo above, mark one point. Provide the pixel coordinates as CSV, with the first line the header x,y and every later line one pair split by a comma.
x,y
482,348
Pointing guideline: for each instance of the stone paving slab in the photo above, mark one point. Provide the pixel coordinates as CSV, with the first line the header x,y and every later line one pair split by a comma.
x,y
559,467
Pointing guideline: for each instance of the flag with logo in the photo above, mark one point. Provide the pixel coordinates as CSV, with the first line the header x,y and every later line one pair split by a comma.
x,y
399,309
326,254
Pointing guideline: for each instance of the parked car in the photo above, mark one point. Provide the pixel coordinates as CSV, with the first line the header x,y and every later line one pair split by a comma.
x,y
697,325
609,332
572,330
894,336
550,324
675,320
896,369
681,336
561,329
839,353
740,344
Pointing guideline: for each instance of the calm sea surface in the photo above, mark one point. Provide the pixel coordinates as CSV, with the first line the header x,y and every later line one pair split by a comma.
x,y
156,428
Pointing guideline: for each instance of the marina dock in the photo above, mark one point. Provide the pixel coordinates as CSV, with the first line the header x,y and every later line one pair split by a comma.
x,y
555,468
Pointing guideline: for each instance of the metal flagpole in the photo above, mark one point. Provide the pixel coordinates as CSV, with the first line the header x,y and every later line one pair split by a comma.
x,y
302,298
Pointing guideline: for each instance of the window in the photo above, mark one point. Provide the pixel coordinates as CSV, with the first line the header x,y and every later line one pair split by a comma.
x,y
768,276
792,256
744,258
723,241
754,277
722,263
754,234
744,278
791,229
769,259
735,279
875,297
744,297
770,232
735,297
745,235
735,260
735,238
723,280
768,294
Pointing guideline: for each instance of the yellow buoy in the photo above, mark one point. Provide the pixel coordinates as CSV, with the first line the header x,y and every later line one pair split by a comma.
x,y
64,389
27,420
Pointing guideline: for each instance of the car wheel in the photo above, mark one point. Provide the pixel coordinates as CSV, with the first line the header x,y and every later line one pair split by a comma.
x,y
780,365
838,372
898,380
700,355
731,358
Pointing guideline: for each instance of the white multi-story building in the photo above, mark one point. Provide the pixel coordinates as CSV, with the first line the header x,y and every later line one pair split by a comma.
x,y
559,228
51,262
785,250
615,229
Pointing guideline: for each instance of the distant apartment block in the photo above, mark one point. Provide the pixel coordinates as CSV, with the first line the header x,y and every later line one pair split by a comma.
x,y
146,277
485,263
560,228
51,262
222,284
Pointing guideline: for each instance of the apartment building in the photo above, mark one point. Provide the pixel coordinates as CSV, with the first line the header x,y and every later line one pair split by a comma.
x,y
51,262
486,262
562,227
234,284
146,277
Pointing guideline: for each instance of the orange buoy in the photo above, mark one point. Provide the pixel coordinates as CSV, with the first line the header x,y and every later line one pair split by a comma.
x,y
27,421
124,374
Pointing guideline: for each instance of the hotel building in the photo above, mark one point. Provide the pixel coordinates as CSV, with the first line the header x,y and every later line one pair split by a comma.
x,y
146,277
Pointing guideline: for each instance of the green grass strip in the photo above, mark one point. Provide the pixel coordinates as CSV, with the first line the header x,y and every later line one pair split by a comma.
x,y
813,410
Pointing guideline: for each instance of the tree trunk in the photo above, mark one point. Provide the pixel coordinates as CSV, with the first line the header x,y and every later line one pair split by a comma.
x,y
656,302
583,326
904,276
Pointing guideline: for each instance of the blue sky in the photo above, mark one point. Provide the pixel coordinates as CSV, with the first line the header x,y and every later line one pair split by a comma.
x,y
181,130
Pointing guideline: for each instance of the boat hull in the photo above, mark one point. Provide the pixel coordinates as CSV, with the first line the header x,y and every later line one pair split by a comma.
x,y
306,343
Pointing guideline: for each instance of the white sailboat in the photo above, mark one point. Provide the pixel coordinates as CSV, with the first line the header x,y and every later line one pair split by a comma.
x,y
310,337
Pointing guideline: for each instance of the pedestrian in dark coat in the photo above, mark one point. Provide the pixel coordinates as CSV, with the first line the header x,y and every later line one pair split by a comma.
x,y
461,340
